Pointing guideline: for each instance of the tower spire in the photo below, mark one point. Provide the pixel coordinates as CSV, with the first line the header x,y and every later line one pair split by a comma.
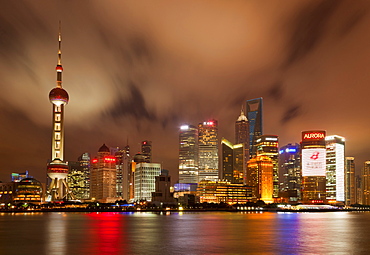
x,y
242,116
59,67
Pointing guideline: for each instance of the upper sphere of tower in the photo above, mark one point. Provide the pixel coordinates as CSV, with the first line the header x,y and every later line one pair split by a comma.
x,y
58,96
104,148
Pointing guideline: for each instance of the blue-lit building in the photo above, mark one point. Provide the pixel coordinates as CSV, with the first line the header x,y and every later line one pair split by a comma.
x,y
290,174
254,115
17,177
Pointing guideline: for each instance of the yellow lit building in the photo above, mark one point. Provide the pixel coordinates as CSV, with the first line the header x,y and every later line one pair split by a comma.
x,y
260,178
232,162
223,191
366,183
28,190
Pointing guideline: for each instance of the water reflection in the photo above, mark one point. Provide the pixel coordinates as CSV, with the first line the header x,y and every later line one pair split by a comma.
x,y
56,234
185,233
106,234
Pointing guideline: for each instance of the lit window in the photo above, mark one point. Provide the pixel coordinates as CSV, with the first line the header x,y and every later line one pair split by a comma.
x,y
57,126
57,117
57,135
57,154
57,108
57,145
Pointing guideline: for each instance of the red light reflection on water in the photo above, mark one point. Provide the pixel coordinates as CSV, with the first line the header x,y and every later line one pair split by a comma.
x,y
105,234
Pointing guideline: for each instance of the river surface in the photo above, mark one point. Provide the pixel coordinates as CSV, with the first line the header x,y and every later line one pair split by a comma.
x,y
185,233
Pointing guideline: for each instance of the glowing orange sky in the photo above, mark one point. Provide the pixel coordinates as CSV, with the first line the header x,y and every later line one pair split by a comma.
x,y
140,69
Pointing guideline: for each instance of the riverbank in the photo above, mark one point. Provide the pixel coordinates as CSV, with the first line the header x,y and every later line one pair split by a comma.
x,y
166,210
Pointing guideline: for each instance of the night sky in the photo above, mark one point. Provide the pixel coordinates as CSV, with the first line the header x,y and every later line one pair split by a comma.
x,y
137,70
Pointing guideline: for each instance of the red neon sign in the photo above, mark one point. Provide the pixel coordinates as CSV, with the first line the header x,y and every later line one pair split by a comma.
x,y
109,159
95,160
313,135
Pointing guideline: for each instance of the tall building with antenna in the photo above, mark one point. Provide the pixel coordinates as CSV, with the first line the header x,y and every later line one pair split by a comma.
x,y
242,137
57,169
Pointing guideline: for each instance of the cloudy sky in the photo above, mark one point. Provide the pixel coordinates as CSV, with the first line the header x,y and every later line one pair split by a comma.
x,y
137,70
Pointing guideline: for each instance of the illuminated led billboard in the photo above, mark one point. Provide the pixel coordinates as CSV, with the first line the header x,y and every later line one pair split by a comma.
x,y
314,162
313,135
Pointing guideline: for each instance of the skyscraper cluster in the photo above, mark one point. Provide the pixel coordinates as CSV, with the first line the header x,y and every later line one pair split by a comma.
x,y
313,171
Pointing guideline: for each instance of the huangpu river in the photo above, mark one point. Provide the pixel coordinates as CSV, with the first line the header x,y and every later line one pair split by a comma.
x,y
185,233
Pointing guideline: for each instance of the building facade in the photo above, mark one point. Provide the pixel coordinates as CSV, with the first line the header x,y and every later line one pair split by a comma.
x,y
124,173
77,180
162,194
223,192
233,167
290,173
208,150
350,181
365,184
103,176
146,150
268,145
145,174
313,149
254,115
335,168
242,135
27,190
188,154
260,178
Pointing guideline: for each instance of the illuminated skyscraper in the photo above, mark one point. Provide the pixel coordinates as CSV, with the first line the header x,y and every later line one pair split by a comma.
x,y
232,162
123,174
268,145
254,115
365,184
242,137
208,150
188,154
103,176
290,174
350,181
335,172
85,163
313,166
358,188
119,154
145,174
146,150
57,169
260,178
79,177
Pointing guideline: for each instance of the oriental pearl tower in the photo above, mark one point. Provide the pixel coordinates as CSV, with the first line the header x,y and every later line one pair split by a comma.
x,y
57,169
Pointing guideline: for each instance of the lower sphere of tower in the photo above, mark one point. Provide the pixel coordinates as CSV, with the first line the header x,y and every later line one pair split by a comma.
x,y
57,170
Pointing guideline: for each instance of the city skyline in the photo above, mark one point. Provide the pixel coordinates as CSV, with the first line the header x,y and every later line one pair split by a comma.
x,y
135,76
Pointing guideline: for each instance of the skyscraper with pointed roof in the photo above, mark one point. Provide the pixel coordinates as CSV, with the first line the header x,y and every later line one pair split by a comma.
x,y
242,137
103,176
